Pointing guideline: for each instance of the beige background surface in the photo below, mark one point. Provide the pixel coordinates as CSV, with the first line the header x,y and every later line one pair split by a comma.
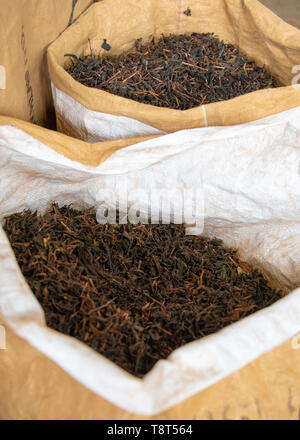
x,y
27,27
289,10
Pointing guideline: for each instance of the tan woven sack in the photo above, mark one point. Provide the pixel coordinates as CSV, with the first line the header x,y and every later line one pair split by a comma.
x,y
249,369
93,115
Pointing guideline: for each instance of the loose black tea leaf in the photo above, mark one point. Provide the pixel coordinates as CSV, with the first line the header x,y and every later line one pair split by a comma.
x,y
134,293
179,72
106,46
188,12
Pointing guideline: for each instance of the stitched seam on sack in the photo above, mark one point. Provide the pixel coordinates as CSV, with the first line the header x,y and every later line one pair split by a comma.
x,y
2,78
181,4
205,115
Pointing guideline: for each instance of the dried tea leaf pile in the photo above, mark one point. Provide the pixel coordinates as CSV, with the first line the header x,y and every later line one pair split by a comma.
x,y
178,72
134,293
